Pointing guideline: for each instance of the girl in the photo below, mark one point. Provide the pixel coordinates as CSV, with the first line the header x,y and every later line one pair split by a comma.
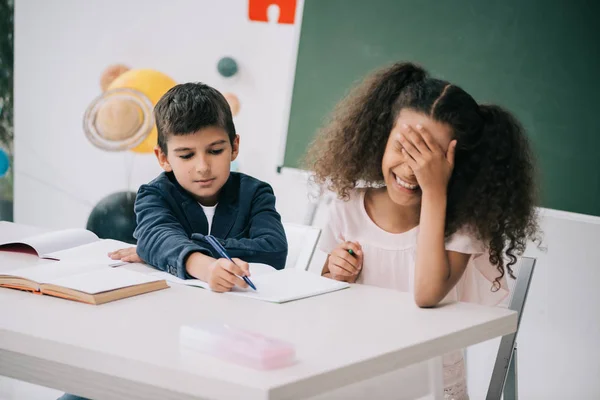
x,y
448,193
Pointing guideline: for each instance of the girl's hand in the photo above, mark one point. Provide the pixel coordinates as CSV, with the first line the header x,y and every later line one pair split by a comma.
x,y
344,266
431,166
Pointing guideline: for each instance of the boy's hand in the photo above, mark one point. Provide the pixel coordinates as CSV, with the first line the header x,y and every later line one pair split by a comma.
x,y
128,255
342,265
221,275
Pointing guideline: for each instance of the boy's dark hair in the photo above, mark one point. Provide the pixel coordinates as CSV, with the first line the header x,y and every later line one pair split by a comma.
x,y
492,189
189,107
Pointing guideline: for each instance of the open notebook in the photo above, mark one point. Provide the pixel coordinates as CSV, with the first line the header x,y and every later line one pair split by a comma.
x,y
85,282
66,245
272,285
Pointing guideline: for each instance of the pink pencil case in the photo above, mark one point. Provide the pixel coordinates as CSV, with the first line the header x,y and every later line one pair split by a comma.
x,y
238,346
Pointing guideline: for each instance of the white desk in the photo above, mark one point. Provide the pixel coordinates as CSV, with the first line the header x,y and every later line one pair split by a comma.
x,y
129,349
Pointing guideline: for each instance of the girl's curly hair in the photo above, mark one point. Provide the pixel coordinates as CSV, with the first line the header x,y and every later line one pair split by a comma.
x,y
492,189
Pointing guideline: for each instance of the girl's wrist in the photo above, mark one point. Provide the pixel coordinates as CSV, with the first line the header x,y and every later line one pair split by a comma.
x,y
436,195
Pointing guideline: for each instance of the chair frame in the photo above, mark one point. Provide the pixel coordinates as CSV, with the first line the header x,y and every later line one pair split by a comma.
x,y
504,376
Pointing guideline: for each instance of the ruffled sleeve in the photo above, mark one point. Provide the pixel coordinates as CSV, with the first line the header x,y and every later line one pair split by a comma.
x,y
477,283
331,233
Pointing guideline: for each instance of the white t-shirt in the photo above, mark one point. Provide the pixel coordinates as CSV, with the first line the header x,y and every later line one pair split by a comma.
x,y
210,213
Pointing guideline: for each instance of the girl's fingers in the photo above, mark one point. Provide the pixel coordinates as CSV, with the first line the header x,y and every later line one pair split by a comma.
x,y
412,163
343,264
416,140
355,247
409,149
433,146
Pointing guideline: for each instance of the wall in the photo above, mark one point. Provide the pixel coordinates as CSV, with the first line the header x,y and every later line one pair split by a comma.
x,y
558,352
62,46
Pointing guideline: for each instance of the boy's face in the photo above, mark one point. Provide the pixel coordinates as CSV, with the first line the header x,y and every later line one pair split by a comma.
x,y
200,161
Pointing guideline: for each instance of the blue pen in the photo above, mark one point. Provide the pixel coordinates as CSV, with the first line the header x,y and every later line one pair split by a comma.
x,y
217,246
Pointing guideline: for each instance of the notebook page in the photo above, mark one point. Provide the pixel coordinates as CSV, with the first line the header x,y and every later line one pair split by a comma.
x,y
45,273
104,280
256,269
276,287
288,285
92,252
173,279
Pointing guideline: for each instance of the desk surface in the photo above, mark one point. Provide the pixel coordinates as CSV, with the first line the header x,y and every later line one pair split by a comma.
x,y
130,348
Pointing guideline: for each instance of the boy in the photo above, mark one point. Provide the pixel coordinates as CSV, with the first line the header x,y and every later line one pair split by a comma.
x,y
197,195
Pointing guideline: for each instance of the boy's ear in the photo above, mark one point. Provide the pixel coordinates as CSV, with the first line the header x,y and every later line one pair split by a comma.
x,y
235,147
162,159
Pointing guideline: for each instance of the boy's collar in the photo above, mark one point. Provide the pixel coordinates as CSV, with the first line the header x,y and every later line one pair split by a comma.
x,y
225,214
230,191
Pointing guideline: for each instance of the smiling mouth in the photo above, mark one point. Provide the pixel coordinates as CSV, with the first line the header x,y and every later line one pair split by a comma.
x,y
405,184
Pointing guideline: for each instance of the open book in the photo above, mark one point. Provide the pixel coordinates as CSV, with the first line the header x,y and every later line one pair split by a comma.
x,y
272,285
85,282
66,245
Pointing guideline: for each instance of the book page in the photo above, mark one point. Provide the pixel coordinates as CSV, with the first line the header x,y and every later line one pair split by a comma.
x,y
13,233
55,241
45,273
104,280
92,252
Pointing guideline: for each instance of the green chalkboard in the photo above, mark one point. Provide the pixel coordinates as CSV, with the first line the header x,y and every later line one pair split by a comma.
x,y
538,58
